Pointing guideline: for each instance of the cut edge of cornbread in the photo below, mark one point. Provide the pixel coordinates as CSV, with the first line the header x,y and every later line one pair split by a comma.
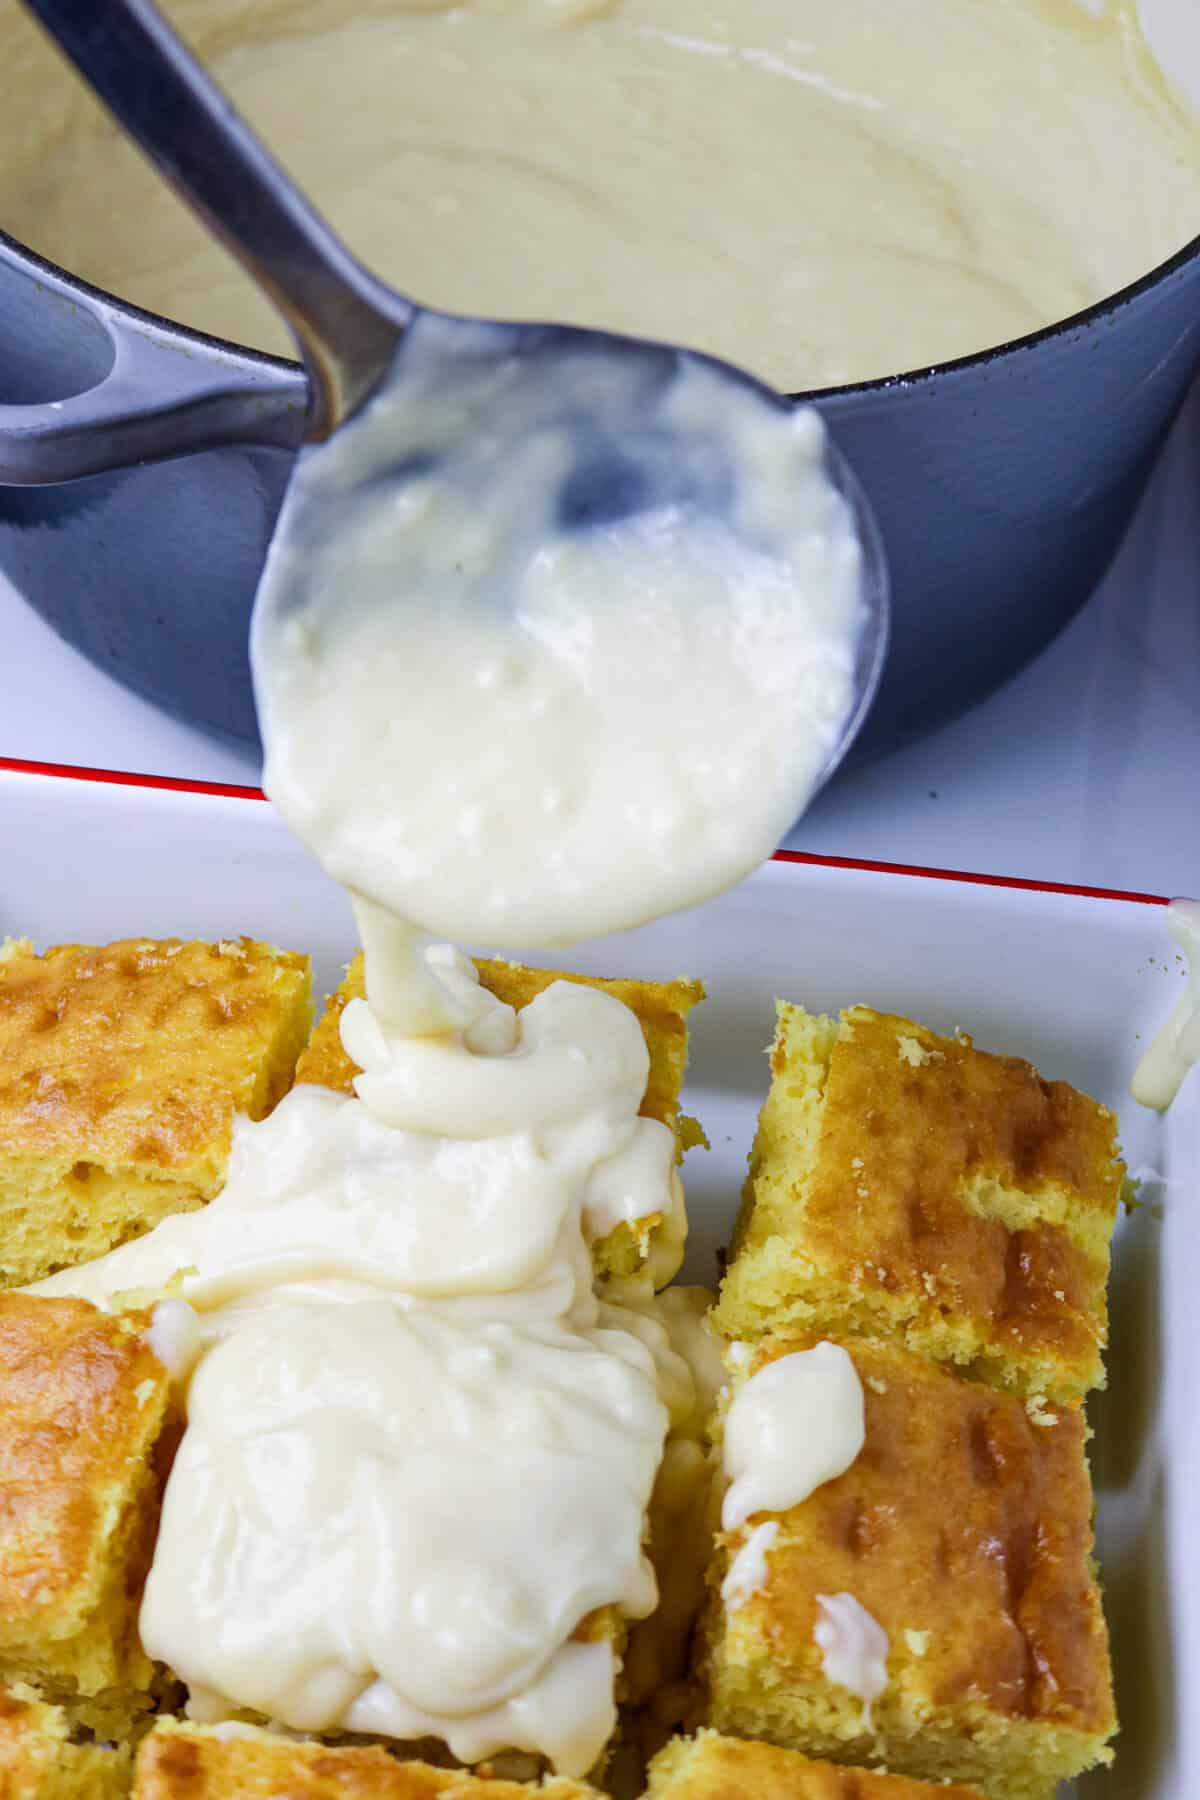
x,y
661,1009
40,1761
77,1673
1007,1760
758,1673
181,1761
653,1686
96,1486
711,1767
104,1131
802,1049
1044,1247
93,1208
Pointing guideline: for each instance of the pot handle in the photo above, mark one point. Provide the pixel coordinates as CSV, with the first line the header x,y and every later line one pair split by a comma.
x,y
166,392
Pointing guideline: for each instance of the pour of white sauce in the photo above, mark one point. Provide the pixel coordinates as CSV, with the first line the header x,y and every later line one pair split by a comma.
x,y
796,1423
330,1188
419,1450
375,1500
854,1648
512,727
1176,1050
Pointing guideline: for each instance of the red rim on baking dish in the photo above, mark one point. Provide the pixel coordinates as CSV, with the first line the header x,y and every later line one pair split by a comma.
x,y
180,784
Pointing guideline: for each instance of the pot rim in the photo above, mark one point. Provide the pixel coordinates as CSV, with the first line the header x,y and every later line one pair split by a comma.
x,y
1106,307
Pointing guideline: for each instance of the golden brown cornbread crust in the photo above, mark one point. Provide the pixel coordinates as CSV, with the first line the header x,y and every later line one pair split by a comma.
x,y
38,1760
661,1009
964,1528
83,1414
1026,1613
904,1184
121,1069
711,1767
88,1036
188,1762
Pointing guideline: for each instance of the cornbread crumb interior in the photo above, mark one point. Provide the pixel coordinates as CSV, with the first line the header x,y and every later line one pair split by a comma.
x,y
41,1759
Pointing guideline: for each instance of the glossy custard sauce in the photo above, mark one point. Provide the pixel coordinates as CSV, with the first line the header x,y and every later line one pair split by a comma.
x,y
820,192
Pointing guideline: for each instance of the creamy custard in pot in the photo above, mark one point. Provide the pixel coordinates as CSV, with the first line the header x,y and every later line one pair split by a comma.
x,y
822,192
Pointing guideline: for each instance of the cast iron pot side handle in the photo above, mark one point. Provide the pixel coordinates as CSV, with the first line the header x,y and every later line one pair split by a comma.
x,y
166,393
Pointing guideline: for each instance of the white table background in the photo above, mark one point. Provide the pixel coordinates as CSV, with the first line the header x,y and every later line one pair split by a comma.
x,y
1085,769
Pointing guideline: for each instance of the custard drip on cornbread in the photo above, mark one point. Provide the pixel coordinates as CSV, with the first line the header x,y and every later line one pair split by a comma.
x,y
953,1557
747,1572
854,1648
413,1430
661,1009
795,1424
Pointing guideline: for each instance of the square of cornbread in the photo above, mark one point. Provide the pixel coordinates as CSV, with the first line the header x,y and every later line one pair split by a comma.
x,y
661,1008
711,1767
121,1069
964,1528
177,1761
909,1186
40,1761
84,1436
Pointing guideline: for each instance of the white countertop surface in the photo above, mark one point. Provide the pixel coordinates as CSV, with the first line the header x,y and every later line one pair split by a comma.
x,y
1085,769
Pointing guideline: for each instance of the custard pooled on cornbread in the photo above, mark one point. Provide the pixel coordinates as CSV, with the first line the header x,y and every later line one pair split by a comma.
x,y
910,1187
963,1528
711,1767
84,1434
178,1761
39,1759
121,1069
661,1009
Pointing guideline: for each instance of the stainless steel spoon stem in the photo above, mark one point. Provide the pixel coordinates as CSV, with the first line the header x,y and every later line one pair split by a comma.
x,y
346,322
349,326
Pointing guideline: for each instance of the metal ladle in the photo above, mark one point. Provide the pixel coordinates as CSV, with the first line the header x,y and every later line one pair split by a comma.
x,y
347,323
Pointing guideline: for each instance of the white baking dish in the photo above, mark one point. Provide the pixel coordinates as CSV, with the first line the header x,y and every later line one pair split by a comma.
x,y
1074,981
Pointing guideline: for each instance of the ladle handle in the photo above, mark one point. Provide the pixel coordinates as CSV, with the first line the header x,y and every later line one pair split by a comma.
x,y
347,323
